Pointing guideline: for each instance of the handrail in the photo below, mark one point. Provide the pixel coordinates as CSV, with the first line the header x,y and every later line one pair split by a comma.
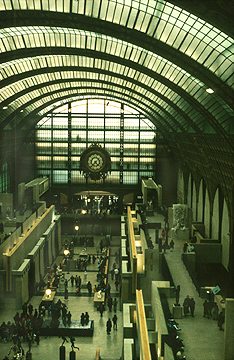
x,y
142,327
133,252
97,357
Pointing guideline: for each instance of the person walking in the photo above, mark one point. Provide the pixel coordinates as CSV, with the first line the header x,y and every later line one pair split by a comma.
x,y
108,326
110,303
114,319
89,287
101,308
115,304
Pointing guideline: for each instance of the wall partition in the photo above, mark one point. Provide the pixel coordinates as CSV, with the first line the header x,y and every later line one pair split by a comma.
x,y
64,134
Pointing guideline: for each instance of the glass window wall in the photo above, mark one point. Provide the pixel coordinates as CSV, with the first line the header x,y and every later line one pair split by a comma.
x,y
62,136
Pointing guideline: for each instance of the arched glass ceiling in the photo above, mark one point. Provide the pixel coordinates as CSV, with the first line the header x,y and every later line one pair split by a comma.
x,y
114,47
155,91
158,19
42,36
172,118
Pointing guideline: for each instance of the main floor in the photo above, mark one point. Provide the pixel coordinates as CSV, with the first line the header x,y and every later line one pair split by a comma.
x,y
201,336
110,345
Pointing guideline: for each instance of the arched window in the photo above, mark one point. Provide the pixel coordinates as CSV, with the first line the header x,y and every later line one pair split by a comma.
x,y
127,135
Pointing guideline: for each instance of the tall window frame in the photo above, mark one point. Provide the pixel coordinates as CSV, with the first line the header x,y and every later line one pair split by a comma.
x,y
62,136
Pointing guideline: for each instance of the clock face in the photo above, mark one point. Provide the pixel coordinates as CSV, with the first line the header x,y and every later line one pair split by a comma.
x,y
95,162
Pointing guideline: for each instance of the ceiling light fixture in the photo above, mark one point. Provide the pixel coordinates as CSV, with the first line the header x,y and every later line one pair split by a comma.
x,y
210,91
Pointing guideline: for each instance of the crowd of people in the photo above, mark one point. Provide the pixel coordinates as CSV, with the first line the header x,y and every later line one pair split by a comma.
x,y
25,328
210,310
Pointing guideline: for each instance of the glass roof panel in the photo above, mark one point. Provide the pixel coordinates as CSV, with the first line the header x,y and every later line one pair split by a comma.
x,y
170,20
48,78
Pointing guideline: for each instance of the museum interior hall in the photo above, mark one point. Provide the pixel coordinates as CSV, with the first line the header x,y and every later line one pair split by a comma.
x,y
116,179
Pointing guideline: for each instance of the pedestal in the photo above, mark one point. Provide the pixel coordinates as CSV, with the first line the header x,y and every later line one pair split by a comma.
x,y
61,285
180,234
177,312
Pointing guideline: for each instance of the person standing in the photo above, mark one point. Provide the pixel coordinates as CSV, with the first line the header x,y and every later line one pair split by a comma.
x,y
112,274
86,318
206,311
30,309
115,304
37,337
108,326
192,306
114,319
186,305
172,245
177,293
221,320
116,284
72,280
69,318
215,311
110,303
185,247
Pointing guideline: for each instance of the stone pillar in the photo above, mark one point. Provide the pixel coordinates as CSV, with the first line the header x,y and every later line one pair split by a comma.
x,y
18,292
229,329
37,267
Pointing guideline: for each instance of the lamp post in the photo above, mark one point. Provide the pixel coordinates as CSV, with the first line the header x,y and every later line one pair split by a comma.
x,y
66,253
48,293
77,229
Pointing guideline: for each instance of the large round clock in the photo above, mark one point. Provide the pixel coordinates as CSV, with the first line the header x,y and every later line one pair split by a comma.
x,y
95,162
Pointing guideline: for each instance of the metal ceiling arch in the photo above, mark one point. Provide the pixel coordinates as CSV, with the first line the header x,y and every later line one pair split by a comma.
x,y
131,101
158,26
216,12
202,71
99,71
72,80
161,122
35,52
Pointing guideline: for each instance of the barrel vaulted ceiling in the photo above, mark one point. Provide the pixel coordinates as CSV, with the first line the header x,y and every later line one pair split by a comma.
x,y
157,56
